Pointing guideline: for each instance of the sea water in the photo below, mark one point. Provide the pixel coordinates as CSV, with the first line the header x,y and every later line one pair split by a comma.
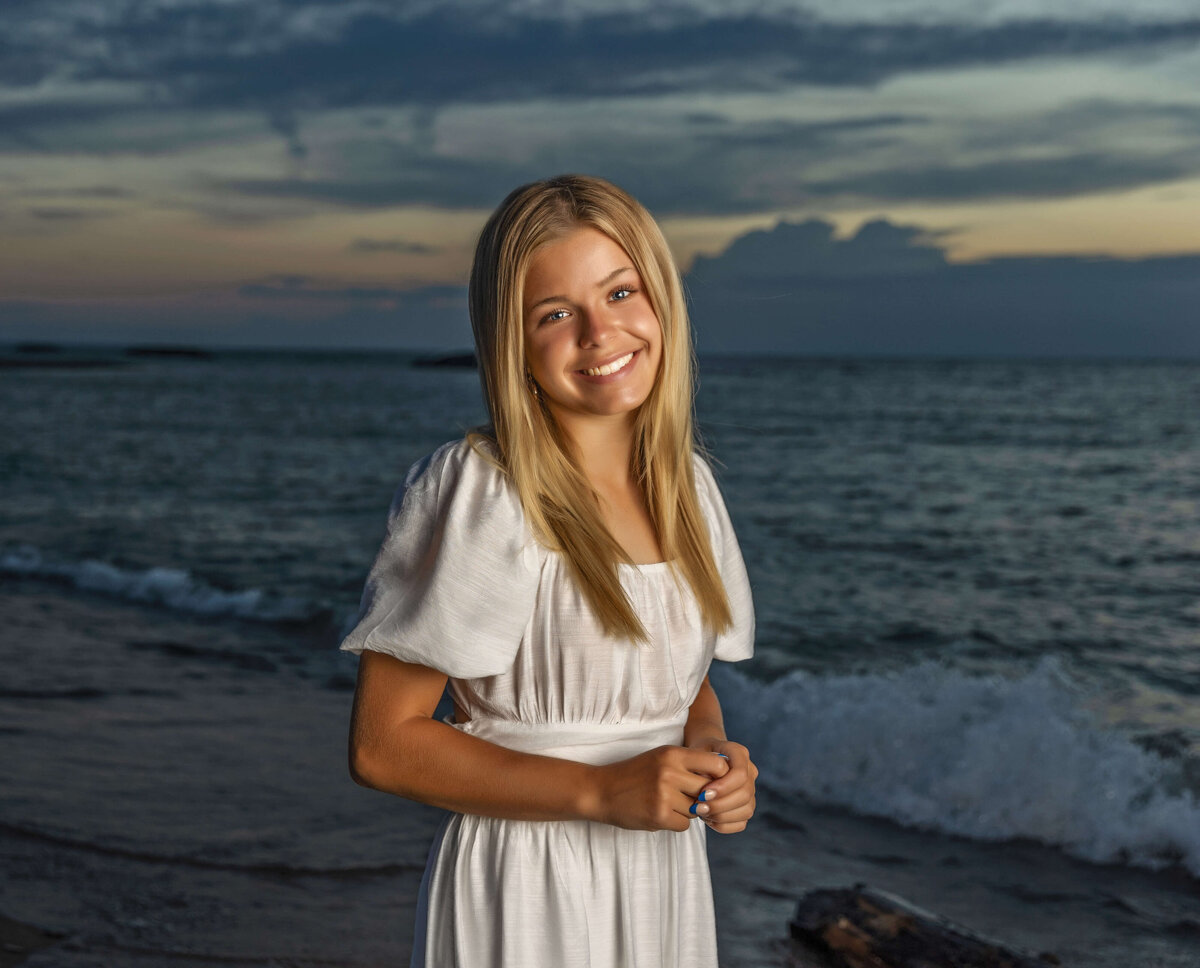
x,y
976,675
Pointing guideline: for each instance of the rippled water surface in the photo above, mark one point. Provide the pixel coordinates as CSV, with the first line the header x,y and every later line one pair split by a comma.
x,y
954,563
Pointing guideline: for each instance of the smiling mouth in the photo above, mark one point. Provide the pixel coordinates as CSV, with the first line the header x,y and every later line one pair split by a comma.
x,y
609,368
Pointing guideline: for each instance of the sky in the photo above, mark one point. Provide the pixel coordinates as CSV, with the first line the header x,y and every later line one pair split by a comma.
x,y
863,176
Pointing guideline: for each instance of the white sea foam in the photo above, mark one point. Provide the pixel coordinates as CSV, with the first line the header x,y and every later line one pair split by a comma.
x,y
172,588
982,756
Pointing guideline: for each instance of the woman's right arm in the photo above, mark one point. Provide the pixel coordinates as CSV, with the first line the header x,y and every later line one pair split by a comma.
x,y
396,746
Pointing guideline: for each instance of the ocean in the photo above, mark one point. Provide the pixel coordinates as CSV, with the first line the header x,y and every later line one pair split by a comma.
x,y
978,595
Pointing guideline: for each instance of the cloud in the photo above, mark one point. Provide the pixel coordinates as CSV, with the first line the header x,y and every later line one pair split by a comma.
x,y
104,192
291,56
22,124
1089,119
401,246
793,252
279,313
794,289
382,59
724,168
285,123
719,132
889,290
157,77
674,165
273,110
65,214
304,289
1076,174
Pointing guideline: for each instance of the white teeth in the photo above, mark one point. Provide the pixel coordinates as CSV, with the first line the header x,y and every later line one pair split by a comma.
x,y
610,367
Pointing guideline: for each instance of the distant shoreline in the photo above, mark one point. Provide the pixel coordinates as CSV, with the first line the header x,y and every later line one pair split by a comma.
x,y
48,355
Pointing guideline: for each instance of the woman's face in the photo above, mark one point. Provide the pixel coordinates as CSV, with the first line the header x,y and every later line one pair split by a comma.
x,y
592,341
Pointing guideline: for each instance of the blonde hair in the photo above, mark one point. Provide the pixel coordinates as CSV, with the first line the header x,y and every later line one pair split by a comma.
x,y
560,504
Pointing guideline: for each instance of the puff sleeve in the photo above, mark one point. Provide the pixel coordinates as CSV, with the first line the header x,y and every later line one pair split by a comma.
x,y
737,643
454,584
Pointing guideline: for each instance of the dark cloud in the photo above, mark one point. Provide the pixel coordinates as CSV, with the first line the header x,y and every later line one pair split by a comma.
x,y
794,251
237,55
155,76
795,289
401,246
1074,174
63,214
104,192
1090,118
889,290
447,186
432,319
481,184
285,123
208,62
304,289
793,136
734,169
23,63
445,57
22,124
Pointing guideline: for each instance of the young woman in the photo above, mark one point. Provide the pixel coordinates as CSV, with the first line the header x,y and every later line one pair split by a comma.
x,y
571,571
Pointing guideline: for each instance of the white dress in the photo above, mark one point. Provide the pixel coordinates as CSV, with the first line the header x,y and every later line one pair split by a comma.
x,y
460,585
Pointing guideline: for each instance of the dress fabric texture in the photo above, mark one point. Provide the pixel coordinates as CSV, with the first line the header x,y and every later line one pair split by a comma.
x,y
460,585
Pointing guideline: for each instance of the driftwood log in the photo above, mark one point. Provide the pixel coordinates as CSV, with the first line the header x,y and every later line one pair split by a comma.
x,y
861,927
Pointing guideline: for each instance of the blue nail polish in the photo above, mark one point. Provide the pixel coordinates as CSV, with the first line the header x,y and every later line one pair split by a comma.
x,y
726,755
692,808
705,795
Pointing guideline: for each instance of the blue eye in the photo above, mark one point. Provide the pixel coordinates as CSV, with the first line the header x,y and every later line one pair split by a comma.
x,y
625,289
555,316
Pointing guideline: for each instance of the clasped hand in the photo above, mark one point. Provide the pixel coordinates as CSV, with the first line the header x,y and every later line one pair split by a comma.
x,y
656,790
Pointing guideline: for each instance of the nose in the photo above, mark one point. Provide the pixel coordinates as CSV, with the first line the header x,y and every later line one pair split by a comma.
x,y
596,327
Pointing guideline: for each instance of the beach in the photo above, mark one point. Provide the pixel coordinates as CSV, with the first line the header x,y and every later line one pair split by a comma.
x,y
201,812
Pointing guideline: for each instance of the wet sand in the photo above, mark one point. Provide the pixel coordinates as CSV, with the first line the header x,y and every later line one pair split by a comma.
x,y
175,792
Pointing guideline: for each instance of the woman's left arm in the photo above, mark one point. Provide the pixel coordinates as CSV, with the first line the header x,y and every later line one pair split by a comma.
x,y
728,800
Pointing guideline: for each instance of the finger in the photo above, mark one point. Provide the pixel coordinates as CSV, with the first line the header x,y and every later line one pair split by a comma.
x,y
685,813
706,805
726,828
740,808
742,812
741,770
734,800
692,785
710,765
735,779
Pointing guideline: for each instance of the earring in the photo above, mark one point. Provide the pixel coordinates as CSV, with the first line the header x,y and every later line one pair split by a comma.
x,y
533,387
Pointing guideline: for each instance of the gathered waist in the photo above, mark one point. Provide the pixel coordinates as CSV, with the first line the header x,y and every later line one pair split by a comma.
x,y
593,743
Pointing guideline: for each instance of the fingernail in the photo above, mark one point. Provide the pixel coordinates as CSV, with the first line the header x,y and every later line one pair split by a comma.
x,y
692,808
705,795
726,755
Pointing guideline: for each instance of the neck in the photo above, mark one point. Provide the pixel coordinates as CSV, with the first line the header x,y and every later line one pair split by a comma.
x,y
604,448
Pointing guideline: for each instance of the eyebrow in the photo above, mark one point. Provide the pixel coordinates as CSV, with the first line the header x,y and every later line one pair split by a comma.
x,y
600,285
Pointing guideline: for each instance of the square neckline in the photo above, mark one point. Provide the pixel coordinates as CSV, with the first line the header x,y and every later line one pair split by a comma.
x,y
648,566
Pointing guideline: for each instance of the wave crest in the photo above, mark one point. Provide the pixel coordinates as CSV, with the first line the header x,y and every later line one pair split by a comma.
x,y
173,588
986,757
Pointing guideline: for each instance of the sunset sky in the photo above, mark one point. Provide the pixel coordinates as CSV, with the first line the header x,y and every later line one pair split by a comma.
x,y
287,172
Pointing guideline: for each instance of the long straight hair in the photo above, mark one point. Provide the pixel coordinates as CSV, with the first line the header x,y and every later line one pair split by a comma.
x,y
561,506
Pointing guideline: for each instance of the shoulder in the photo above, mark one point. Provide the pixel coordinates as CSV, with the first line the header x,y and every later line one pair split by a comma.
x,y
461,485
456,578
462,469
455,459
